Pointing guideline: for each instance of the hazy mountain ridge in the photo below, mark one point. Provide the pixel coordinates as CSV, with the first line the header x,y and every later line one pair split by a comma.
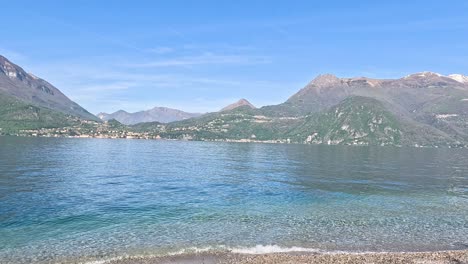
x,y
17,83
163,114
156,114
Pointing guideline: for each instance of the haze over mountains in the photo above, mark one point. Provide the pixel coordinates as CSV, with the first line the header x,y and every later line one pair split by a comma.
x,y
162,114
424,108
156,114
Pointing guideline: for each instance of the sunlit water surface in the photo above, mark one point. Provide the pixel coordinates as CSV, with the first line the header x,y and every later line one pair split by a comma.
x,y
68,199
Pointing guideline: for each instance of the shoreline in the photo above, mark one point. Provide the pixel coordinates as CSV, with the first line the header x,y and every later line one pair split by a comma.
x,y
226,255
272,142
433,257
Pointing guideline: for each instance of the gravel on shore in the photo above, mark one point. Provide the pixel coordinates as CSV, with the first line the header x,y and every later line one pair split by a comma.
x,y
437,257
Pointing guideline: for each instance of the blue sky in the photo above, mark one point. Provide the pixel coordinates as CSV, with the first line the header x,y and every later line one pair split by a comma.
x,y
202,55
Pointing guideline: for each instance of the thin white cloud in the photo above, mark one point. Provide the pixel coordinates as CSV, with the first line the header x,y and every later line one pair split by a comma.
x,y
111,86
103,85
206,58
161,50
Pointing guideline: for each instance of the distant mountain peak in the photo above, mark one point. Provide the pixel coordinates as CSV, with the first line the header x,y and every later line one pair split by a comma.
x,y
241,102
325,79
423,74
459,78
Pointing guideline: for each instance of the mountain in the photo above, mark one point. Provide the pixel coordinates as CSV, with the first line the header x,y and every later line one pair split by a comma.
x,y
241,102
17,84
424,108
156,114
355,120
237,124
407,93
359,120
425,97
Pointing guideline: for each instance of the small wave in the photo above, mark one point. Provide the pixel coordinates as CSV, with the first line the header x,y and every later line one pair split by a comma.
x,y
258,249
266,249
194,250
103,261
255,250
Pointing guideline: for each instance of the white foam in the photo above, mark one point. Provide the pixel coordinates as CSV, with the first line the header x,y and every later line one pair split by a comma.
x,y
261,249
190,250
103,261
198,250
258,249
255,250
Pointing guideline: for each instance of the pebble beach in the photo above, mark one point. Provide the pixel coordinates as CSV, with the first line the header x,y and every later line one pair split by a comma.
x,y
438,257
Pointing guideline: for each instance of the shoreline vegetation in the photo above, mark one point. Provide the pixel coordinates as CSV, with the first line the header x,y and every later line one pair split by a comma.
x,y
439,257
246,140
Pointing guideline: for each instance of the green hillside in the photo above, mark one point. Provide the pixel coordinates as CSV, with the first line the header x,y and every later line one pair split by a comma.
x,y
17,115
240,123
356,120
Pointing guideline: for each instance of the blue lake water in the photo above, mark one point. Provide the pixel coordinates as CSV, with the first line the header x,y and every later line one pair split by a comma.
x,y
69,199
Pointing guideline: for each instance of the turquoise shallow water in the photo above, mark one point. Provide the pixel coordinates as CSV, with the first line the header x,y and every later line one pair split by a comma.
x,y
68,199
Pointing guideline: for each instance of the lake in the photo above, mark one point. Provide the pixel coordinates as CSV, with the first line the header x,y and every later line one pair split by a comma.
x,y
86,199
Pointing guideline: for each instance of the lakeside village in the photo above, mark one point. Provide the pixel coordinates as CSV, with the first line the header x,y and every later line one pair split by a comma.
x,y
86,129
115,130
111,130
